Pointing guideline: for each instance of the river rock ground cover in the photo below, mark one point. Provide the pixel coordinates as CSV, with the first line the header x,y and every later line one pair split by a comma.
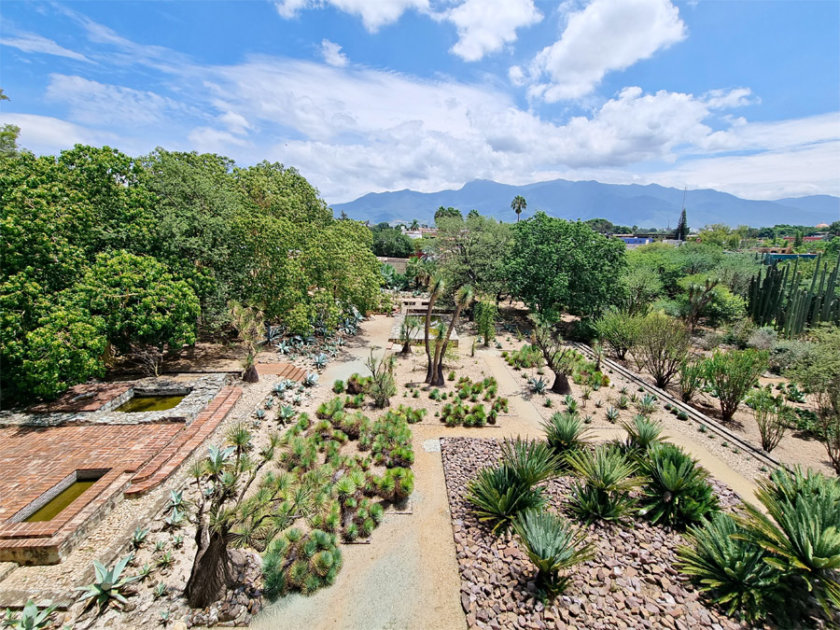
x,y
631,582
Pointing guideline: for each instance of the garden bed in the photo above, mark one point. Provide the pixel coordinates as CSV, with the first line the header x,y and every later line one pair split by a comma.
x,y
631,582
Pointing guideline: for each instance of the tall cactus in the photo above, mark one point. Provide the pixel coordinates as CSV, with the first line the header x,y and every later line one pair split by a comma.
x,y
780,297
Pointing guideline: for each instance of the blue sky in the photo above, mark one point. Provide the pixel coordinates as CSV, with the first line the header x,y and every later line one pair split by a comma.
x,y
372,95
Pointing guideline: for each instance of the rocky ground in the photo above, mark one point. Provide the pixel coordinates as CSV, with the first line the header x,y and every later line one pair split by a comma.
x,y
631,582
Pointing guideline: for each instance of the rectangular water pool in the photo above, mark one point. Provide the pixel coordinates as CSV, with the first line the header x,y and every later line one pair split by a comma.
x,y
58,503
139,404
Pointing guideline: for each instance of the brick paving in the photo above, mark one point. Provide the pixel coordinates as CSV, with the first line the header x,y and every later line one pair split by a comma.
x,y
84,397
34,460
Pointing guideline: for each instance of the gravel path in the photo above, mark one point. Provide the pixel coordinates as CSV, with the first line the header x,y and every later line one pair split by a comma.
x,y
630,583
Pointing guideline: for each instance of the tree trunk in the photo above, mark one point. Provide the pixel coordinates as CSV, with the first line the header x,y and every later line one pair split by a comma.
x,y
437,379
561,384
250,375
406,349
429,363
210,571
440,351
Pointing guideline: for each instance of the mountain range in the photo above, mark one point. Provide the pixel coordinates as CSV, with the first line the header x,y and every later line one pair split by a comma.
x,y
623,204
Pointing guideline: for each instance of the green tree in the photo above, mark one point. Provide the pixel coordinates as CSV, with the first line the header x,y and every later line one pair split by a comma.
x,y
450,212
518,205
473,252
391,242
463,299
662,347
682,227
602,226
556,265
619,330
140,302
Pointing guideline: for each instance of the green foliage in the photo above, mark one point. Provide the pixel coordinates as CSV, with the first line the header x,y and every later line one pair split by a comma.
x,y
692,375
772,416
731,375
107,587
677,492
382,384
30,618
553,546
642,433
619,330
485,320
606,479
391,242
798,528
301,563
732,570
558,265
565,433
527,356
663,347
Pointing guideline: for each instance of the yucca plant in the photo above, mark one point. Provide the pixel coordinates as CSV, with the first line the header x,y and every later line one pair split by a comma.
x,y
553,546
498,494
108,586
606,479
732,570
800,530
642,433
677,492
565,433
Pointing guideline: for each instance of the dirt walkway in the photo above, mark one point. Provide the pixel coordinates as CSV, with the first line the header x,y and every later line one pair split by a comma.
x,y
408,576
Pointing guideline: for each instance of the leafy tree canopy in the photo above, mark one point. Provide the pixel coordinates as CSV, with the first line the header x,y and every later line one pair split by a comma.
x,y
556,265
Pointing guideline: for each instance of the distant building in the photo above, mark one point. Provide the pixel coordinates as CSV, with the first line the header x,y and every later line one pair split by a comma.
x,y
421,233
634,241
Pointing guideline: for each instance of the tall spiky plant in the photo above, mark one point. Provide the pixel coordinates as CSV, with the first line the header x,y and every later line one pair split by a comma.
x,y
606,479
553,546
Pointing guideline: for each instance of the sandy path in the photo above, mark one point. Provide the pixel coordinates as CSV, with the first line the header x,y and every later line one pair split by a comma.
x,y
407,577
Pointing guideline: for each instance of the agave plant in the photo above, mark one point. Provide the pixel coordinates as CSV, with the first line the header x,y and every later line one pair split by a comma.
x,y
30,618
139,537
647,405
800,530
538,385
310,380
285,413
284,347
320,361
677,492
107,589
553,546
731,569
603,493
641,434
565,433
176,500
623,402
612,415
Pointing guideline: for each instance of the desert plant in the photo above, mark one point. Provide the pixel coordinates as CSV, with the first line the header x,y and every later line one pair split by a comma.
x,y
497,495
623,402
642,433
463,298
771,416
553,546
537,385
382,385
732,570
565,433
606,479
798,527
139,537
559,359
338,386
409,328
107,587
691,379
310,380
297,562
249,323
485,313
531,461
30,618
612,415
731,375
647,405
662,347
677,492
619,330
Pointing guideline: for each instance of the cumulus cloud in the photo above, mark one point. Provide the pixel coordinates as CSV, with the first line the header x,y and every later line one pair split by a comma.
x,y
605,36
374,13
485,26
31,43
331,52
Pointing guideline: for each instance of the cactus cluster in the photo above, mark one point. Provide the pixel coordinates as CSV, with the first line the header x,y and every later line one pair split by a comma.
x,y
778,296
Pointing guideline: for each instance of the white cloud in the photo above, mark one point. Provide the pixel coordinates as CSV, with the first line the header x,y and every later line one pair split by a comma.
x,y
485,26
374,13
101,104
31,43
48,135
605,36
331,52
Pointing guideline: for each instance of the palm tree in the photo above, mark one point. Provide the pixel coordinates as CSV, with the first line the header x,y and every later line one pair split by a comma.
x,y
415,225
518,205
